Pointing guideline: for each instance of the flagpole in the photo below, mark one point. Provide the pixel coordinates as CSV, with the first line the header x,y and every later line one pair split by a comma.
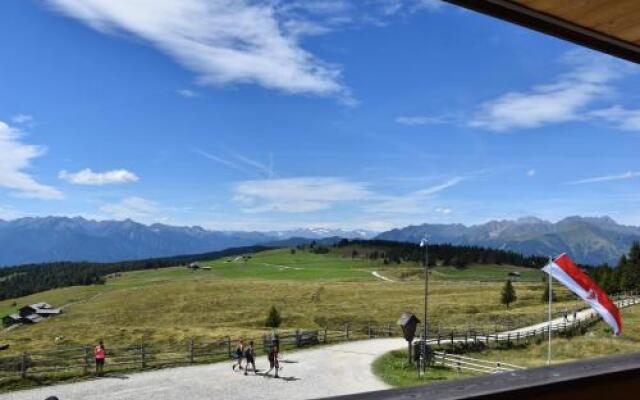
x,y
426,294
550,300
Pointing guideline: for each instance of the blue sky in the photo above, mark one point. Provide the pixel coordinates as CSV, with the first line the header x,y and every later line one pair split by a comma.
x,y
273,114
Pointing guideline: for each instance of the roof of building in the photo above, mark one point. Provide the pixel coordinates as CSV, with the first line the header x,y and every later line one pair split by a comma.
x,y
41,305
48,311
33,317
610,26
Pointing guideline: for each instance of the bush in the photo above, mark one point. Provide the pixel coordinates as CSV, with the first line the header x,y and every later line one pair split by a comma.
x,y
273,319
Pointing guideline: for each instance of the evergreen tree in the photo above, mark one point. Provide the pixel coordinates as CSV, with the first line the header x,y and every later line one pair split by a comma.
x,y
633,267
273,319
508,294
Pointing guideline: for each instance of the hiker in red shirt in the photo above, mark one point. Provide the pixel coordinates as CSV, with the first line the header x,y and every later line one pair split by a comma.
x,y
101,353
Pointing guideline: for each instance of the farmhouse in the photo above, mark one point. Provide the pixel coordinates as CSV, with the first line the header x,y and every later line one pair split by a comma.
x,y
31,314
40,309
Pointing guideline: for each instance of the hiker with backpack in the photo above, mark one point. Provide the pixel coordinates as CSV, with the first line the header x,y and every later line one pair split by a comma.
x,y
274,362
238,355
249,356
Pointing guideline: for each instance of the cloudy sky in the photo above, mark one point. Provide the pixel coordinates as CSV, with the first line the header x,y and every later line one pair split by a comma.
x,y
274,114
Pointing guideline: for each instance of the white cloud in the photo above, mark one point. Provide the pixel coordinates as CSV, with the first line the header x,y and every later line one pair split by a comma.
x,y
22,119
136,208
622,118
88,177
421,120
187,93
241,163
531,172
443,210
15,159
562,100
394,7
297,195
223,41
413,202
607,178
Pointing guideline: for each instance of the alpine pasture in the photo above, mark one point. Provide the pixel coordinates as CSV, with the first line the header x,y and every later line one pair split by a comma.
x,y
232,296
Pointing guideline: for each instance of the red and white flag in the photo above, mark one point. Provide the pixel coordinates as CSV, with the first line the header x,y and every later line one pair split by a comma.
x,y
569,274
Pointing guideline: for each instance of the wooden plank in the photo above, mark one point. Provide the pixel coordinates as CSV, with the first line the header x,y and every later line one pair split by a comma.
x,y
551,22
616,18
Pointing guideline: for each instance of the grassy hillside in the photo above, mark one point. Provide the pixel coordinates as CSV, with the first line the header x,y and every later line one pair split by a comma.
x,y
233,297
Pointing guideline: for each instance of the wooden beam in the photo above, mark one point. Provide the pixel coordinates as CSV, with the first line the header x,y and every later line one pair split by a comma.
x,y
554,26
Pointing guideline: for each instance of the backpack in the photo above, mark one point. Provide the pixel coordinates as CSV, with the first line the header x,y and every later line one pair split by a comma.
x,y
248,353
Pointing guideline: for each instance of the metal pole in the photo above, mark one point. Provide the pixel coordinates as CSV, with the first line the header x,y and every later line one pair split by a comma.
x,y
550,299
426,292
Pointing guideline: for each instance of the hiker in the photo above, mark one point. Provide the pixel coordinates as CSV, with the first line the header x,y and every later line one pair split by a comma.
x,y
565,314
575,315
238,355
249,356
100,353
273,356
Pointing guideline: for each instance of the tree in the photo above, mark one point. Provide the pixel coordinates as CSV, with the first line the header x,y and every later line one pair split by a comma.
x,y
633,268
273,319
508,294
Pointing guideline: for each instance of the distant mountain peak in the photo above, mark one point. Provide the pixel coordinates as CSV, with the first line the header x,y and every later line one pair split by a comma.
x,y
44,239
590,240
531,220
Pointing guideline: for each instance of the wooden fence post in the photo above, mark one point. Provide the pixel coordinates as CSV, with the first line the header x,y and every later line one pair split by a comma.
x,y
346,330
298,339
325,335
142,356
369,329
191,350
86,360
389,330
23,365
229,346
452,338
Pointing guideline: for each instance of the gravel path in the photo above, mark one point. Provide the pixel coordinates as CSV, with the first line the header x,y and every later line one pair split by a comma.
x,y
320,372
379,276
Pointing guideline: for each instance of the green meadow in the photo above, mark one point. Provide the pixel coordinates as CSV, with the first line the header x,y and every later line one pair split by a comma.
x,y
231,297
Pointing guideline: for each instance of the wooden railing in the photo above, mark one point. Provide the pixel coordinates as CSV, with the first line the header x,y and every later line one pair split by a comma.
x,y
463,363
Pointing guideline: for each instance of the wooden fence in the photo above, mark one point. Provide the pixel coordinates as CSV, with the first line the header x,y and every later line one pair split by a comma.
x,y
463,363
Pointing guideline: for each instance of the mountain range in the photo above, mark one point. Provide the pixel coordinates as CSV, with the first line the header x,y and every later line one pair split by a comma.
x,y
44,239
589,240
